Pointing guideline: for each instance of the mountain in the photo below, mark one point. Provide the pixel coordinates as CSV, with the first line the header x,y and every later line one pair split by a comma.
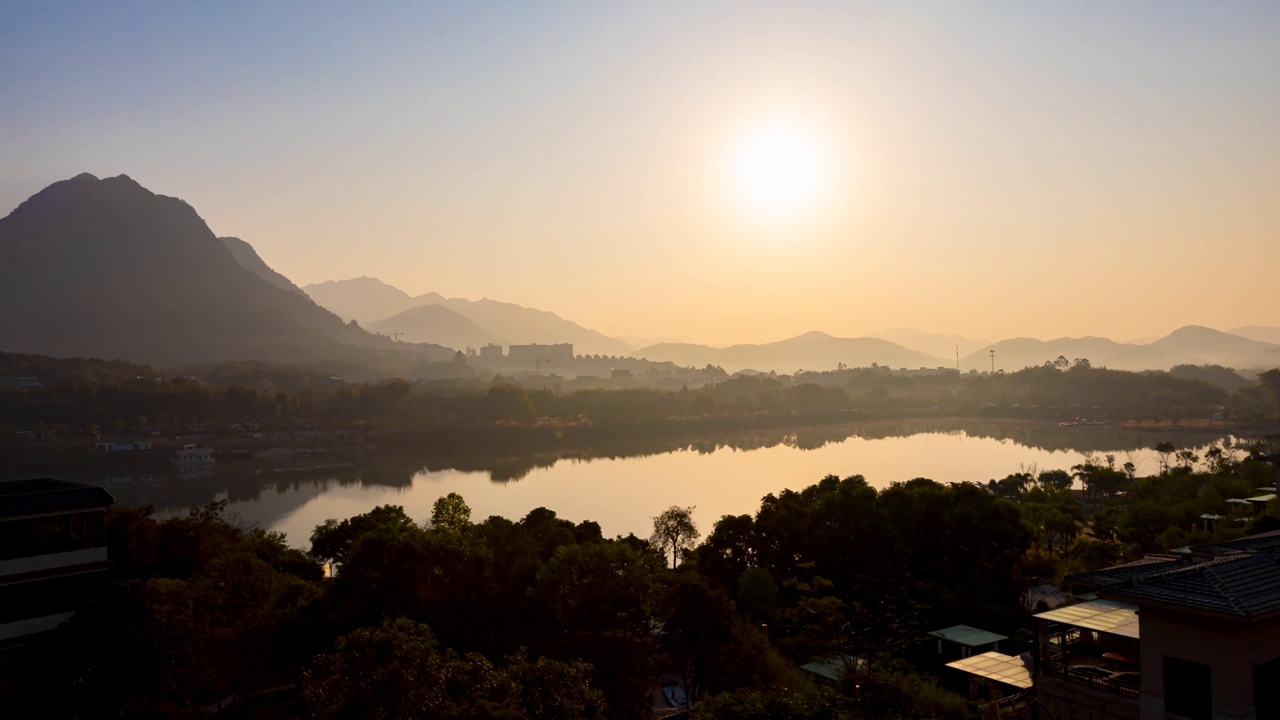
x,y
811,351
637,342
523,325
248,258
106,268
1263,334
943,346
363,299
1190,345
1018,353
436,324
370,301
1195,345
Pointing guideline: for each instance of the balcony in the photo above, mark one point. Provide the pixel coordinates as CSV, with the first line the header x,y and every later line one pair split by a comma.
x,y
52,563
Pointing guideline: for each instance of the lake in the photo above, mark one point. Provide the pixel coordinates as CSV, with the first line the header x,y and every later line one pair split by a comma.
x,y
623,491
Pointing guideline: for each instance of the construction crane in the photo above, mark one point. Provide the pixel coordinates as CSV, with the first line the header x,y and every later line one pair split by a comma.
x,y
396,335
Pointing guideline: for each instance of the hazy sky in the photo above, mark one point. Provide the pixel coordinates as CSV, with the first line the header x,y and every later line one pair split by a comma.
x,y
991,169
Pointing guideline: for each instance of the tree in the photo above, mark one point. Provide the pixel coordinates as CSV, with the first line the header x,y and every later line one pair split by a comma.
x,y
333,540
1164,450
450,513
675,533
398,671
1055,480
1271,381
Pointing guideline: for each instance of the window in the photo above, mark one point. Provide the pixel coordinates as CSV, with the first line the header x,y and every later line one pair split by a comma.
x,y
1188,689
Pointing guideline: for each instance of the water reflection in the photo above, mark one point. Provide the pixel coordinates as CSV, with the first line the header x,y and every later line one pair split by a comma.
x,y
623,482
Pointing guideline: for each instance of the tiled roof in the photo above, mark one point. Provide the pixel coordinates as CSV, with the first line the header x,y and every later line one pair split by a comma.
x,y
1238,585
46,495
1119,574
1262,542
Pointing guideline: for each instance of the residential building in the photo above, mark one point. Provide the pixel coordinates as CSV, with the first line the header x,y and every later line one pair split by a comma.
x,y
52,550
554,355
1193,635
491,352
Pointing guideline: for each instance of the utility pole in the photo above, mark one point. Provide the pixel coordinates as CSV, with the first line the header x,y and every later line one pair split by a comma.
x,y
993,362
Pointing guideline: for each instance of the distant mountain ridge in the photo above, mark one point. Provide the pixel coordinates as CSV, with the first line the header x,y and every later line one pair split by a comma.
x,y
937,344
108,269
810,351
436,324
364,299
1189,345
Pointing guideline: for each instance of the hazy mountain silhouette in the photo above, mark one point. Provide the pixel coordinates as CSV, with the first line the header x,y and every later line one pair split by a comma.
x,y
636,342
1018,353
1262,334
1190,345
437,324
529,325
364,298
106,268
1194,345
248,258
811,351
943,346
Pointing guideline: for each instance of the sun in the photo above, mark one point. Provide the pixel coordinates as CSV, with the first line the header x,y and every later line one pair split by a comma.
x,y
778,171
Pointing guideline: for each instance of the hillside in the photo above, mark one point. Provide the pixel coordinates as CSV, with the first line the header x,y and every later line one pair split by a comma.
x,y
364,299
811,351
248,258
943,346
436,324
1255,332
1017,353
1190,345
106,268
370,301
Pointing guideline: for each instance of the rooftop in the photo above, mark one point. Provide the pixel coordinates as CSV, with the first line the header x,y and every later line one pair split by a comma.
x,y
1239,585
967,636
1262,542
1108,616
47,495
832,668
1148,565
1008,669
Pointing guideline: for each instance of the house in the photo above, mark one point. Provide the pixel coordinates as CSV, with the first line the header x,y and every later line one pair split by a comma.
x,y
53,549
964,641
1192,635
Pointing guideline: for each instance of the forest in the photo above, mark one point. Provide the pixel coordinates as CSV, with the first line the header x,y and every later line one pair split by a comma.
x,y
84,397
451,616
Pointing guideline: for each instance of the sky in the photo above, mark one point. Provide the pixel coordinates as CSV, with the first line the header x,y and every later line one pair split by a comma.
x,y
992,170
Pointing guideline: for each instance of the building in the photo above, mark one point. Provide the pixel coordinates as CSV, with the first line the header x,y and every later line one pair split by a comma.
x,y
491,352
963,641
20,383
52,550
536,354
1189,635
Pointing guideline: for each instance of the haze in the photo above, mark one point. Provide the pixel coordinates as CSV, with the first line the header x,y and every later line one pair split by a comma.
x,y
987,171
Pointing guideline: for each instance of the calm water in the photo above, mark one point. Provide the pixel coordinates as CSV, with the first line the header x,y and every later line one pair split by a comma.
x,y
718,476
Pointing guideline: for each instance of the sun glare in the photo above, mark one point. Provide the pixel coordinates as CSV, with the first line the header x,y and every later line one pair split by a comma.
x,y
778,171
